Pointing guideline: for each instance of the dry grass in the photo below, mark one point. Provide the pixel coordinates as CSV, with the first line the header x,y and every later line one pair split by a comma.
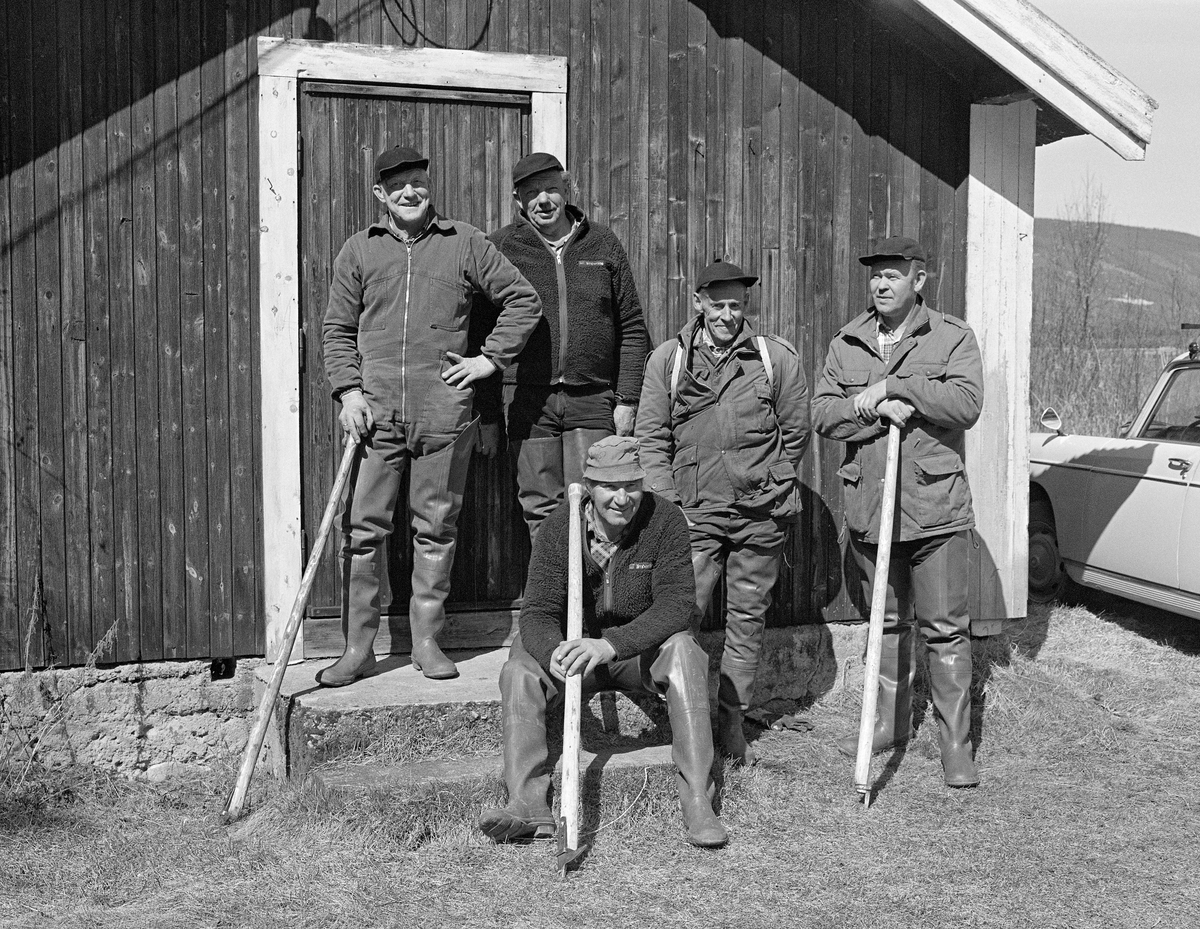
x,y
1085,818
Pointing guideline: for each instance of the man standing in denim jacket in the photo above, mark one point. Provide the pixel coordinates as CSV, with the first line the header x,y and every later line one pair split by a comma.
x,y
395,342
903,362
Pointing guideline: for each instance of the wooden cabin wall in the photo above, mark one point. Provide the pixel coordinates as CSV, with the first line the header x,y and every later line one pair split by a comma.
x,y
783,136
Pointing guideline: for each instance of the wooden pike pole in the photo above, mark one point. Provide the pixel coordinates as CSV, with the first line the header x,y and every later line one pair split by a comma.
x,y
237,800
883,557
569,849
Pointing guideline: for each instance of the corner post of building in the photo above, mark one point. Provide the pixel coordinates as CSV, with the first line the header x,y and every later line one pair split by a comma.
x,y
279,343
999,306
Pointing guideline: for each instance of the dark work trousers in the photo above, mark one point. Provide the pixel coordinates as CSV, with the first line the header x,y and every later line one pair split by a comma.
x,y
438,465
550,430
676,670
747,550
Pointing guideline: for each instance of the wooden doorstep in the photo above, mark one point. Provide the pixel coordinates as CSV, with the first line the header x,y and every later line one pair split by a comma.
x,y
473,629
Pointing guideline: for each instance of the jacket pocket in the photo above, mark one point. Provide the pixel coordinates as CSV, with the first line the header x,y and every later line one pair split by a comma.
x,y
853,494
685,473
853,382
943,497
782,483
766,409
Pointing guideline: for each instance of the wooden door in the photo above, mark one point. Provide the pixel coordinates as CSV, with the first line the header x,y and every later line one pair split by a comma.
x,y
472,141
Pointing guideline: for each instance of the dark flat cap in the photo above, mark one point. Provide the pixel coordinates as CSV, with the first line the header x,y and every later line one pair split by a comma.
x,y
534,163
398,158
723,271
614,460
898,246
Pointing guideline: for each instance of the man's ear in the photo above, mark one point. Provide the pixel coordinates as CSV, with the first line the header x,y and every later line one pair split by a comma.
x,y
919,279
697,305
380,193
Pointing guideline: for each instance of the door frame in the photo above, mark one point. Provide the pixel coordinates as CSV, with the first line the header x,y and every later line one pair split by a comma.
x,y
282,64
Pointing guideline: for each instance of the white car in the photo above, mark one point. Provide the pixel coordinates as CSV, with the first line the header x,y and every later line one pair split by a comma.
x,y
1123,515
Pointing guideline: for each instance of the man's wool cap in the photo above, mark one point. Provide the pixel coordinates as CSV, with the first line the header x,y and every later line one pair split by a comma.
x,y
614,460
898,246
535,163
398,158
723,271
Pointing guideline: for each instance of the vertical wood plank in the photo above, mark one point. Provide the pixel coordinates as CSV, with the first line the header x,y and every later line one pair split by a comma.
x,y
658,317
600,195
679,156
637,244
10,624
619,95
735,146
49,452
124,580
715,232
581,139
241,303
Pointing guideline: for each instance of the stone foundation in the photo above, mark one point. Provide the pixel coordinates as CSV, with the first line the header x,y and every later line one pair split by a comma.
x,y
151,720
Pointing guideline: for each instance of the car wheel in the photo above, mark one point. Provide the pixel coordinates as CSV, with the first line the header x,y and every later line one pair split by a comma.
x,y
1047,576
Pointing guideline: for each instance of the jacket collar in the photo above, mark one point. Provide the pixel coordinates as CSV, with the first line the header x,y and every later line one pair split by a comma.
x,y
689,335
437,223
526,228
864,327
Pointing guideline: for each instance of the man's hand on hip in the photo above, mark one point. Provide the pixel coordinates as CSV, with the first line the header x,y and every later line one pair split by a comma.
x,y
465,371
623,417
580,656
356,417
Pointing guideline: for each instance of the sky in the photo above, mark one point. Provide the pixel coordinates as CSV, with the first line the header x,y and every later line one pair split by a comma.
x,y
1153,44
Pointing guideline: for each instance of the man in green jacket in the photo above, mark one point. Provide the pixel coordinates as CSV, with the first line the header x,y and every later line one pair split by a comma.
x,y
637,602
395,346
903,362
723,425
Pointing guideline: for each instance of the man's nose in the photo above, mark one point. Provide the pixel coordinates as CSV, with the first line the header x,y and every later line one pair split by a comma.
x,y
620,498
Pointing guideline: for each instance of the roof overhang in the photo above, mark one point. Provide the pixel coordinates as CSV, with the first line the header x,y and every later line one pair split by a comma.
x,y
1055,67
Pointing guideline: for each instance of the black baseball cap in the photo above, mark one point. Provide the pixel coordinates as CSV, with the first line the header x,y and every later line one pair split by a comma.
x,y
398,158
723,271
534,163
897,246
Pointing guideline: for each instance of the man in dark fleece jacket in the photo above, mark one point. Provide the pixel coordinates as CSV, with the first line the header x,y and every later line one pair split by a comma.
x,y
579,376
638,592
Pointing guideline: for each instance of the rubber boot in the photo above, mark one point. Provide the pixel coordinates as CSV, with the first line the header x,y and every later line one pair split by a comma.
x,y
733,699
435,492
893,712
575,445
950,693
360,621
540,485
685,666
526,756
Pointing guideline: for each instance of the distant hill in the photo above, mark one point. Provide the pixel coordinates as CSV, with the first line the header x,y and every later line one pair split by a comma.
x,y
1150,277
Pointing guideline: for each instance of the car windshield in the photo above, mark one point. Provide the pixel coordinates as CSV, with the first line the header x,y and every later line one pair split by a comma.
x,y
1176,416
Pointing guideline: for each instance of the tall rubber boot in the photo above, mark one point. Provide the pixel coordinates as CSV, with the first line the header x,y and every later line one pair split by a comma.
x,y
893,711
684,665
707,571
575,445
526,756
540,484
436,485
360,621
950,693
733,699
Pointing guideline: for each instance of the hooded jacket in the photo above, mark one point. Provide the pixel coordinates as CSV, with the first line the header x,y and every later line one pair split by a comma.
x,y
937,368
734,442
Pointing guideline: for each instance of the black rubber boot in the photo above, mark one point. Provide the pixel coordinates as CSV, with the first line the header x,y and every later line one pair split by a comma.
x,y
733,698
950,692
691,739
893,711
360,621
540,485
526,756
435,493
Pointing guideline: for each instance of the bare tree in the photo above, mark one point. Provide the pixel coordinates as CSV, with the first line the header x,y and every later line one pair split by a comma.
x,y
1084,239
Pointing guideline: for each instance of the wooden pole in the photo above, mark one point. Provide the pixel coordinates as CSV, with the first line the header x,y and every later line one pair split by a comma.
x,y
569,809
237,800
883,557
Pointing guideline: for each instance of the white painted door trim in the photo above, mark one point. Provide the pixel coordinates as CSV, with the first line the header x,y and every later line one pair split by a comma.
x,y
282,64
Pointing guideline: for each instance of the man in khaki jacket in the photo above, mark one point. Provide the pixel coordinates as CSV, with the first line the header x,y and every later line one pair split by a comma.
x,y
903,362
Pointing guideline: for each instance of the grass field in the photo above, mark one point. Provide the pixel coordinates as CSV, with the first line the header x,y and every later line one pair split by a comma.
x,y
1086,817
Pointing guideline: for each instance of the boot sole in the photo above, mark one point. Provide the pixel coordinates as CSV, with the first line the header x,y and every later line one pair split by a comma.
x,y
346,683
436,675
504,827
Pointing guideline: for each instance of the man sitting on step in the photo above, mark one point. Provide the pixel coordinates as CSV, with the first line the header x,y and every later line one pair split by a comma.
x,y
638,592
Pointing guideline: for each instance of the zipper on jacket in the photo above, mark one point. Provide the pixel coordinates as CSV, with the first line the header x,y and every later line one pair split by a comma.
x,y
408,244
563,326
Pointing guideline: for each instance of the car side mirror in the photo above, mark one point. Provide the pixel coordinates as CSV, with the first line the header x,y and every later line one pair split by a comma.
x,y
1051,421
1124,429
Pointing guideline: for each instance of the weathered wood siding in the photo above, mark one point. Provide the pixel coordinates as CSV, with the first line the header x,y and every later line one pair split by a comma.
x,y
781,135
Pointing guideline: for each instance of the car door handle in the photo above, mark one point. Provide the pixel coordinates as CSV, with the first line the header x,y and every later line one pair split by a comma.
x,y
1182,465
